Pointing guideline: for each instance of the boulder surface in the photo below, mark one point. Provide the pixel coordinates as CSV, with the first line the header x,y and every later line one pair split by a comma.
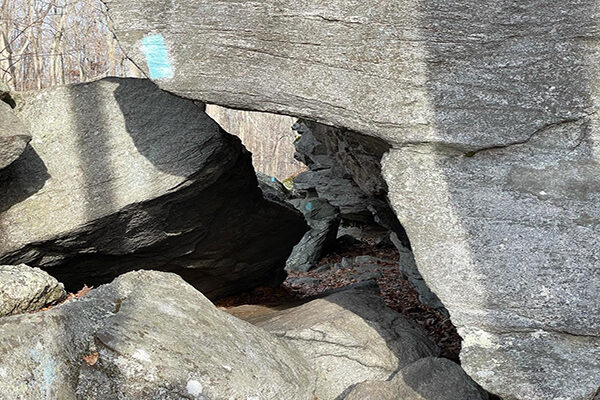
x,y
14,136
323,220
490,109
121,175
350,337
146,335
429,378
24,289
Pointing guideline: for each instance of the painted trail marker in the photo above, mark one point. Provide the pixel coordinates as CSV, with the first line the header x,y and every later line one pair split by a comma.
x,y
157,57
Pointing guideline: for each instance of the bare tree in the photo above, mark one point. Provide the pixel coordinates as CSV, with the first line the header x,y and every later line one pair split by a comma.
x,y
53,42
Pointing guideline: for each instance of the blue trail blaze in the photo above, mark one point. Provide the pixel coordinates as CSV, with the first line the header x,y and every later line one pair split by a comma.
x,y
157,57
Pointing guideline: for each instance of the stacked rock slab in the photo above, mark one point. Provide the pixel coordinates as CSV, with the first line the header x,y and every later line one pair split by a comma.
x,y
146,335
490,109
121,175
344,167
324,220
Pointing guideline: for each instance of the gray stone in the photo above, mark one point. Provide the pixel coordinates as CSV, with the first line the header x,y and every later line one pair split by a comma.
x,y
147,335
374,390
327,178
347,262
504,228
361,260
429,378
14,136
347,241
328,268
367,276
516,262
350,336
408,268
271,188
344,168
121,175
323,220
24,289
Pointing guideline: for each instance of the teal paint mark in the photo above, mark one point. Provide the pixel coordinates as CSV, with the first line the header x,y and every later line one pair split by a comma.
x,y
47,367
272,179
308,206
157,57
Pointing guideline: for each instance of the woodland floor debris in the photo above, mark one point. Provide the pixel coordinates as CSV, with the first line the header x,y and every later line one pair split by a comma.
x,y
395,290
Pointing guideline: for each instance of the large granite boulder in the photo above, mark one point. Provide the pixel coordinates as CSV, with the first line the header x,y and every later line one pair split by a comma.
x,y
121,175
349,337
490,109
323,220
146,335
14,136
429,378
25,289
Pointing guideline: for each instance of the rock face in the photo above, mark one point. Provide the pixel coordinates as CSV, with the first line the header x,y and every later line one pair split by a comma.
x,y
350,337
409,269
14,136
272,189
121,175
519,226
24,289
491,112
429,378
344,168
147,335
324,220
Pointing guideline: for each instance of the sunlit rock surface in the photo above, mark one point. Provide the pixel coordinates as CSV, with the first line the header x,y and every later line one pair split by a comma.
x,y
349,337
146,335
429,378
25,289
14,136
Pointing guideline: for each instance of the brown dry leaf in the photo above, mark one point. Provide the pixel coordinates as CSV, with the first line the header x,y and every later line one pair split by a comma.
x,y
85,290
91,359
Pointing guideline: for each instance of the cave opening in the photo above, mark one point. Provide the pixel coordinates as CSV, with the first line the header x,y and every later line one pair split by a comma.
x,y
333,177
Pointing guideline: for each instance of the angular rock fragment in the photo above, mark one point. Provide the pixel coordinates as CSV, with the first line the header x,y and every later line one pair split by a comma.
x,y
146,335
506,233
350,336
121,175
24,289
344,168
272,189
323,220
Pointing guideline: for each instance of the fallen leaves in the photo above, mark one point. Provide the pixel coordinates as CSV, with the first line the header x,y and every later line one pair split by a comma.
x,y
91,359
82,292
395,290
